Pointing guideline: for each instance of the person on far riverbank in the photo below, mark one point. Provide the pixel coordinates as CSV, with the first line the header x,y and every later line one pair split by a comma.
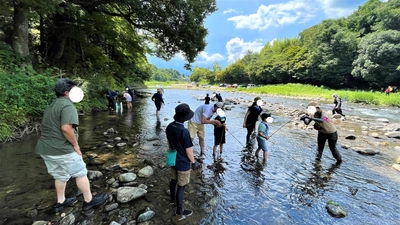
x,y
338,105
58,146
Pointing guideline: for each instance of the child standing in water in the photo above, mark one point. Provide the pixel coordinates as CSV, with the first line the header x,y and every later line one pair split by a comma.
x,y
262,136
219,132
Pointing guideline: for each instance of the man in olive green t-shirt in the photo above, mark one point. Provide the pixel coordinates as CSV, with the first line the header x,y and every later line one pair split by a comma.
x,y
58,146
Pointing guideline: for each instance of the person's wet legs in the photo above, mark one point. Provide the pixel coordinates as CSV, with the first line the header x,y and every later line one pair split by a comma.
x,y
332,140
321,139
201,143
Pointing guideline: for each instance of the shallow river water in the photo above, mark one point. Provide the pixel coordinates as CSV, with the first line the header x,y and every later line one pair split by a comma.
x,y
290,189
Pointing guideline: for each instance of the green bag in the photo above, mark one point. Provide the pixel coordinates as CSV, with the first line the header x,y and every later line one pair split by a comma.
x,y
171,157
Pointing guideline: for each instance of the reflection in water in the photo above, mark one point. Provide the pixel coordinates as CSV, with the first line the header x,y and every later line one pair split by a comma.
x,y
317,184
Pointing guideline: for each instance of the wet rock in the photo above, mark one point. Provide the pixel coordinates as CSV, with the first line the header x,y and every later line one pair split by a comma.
x,y
127,177
117,139
134,144
147,215
125,138
94,174
351,137
110,146
120,145
396,166
149,162
32,213
114,223
337,116
113,167
107,135
146,172
365,151
111,207
382,120
393,134
45,205
127,194
143,186
68,220
335,209
110,131
41,222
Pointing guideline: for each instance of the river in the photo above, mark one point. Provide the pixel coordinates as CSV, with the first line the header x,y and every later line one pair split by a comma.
x,y
290,189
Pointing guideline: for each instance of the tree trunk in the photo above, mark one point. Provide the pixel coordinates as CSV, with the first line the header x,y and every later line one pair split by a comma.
x,y
20,40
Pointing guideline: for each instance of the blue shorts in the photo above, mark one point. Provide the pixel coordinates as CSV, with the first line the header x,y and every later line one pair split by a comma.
x,y
63,167
262,143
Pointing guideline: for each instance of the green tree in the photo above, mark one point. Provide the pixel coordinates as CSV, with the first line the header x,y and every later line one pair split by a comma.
x,y
379,59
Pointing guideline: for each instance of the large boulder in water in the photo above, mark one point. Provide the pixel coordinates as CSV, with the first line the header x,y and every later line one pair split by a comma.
x,y
335,209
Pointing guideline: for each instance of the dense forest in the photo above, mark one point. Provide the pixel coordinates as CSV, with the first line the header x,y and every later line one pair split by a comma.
x,y
103,44
361,51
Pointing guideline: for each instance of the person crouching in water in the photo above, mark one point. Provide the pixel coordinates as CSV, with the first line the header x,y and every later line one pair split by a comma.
x,y
326,130
219,132
262,136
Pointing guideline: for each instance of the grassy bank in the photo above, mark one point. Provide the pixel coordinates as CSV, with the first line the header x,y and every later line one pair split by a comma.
x,y
325,94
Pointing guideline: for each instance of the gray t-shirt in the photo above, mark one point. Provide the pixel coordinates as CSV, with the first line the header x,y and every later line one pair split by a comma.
x,y
203,110
52,141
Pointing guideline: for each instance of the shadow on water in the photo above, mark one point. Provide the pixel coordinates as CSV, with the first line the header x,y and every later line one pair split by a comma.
x,y
290,189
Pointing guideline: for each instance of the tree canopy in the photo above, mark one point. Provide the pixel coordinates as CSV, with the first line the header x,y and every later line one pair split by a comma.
x,y
107,37
360,51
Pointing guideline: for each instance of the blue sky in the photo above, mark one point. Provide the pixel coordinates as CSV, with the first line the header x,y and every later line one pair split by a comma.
x,y
242,25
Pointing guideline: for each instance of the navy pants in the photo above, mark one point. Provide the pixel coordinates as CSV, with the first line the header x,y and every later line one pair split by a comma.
x,y
332,140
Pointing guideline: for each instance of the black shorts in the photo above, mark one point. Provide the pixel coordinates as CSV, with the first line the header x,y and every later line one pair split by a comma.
x,y
219,136
158,106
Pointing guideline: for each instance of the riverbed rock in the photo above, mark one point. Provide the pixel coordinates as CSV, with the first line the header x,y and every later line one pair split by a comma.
x,y
145,216
92,174
396,166
68,220
398,160
393,134
127,177
127,194
365,151
382,120
335,209
146,172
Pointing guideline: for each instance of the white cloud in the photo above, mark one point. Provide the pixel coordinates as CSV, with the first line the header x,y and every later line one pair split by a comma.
x,y
296,11
336,8
204,58
230,10
237,48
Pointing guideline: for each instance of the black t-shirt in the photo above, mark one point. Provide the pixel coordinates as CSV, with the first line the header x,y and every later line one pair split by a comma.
x,y
207,100
179,138
255,111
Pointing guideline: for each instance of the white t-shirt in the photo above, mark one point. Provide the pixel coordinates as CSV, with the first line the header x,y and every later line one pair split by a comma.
x,y
203,110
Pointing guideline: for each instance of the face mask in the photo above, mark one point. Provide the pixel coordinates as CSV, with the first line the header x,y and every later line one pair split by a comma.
x,y
270,119
76,94
311,110
259,102
220,112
